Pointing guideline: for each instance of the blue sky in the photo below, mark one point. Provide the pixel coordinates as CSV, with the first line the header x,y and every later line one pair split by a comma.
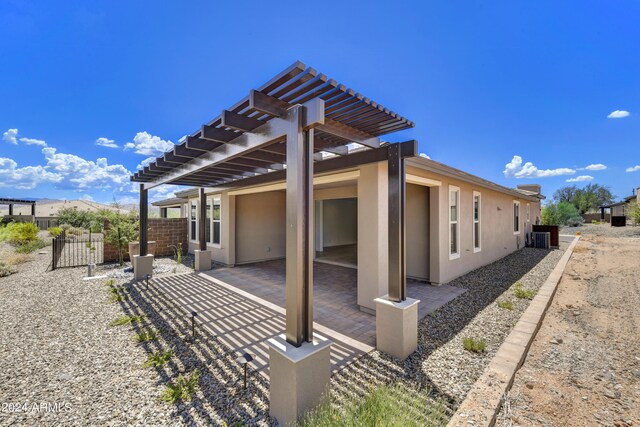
x,y
483,81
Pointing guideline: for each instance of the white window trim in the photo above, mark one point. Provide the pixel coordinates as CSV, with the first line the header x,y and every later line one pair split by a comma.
x,y
473,220
456,255
191,204
513,223
213,201
528,212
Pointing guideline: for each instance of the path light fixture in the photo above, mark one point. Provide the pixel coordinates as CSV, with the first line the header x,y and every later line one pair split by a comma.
x,y
146,278
193,325
244,360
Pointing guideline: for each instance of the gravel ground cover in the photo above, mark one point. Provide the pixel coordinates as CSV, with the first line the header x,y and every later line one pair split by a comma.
x,y
441,367
602,230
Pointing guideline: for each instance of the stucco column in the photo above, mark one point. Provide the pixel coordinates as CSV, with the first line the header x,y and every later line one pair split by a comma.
x,y
228,227
373,238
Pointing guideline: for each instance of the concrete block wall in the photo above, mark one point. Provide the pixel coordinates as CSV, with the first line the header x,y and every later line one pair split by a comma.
x,y
164,231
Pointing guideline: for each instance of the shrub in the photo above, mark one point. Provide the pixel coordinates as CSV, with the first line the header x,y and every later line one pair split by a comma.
x,y
6,270
386,405
476,346
146,335
563,213
19,232
182,389
16,259
634,213
522,293
507,305
575,221
158,359
77,218
116,294
31,246
54,231
126,320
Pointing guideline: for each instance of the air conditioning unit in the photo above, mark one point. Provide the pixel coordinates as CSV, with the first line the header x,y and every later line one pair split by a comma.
x,y
541,240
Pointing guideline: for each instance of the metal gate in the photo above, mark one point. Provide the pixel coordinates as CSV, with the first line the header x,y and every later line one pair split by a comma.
x,y
73,250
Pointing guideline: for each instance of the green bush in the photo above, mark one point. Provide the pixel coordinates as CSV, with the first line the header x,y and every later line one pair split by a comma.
x,y
6,270
54,231
182,389
387,405
507,305
522,293
32,246
474,345
158,358
19,232
563,213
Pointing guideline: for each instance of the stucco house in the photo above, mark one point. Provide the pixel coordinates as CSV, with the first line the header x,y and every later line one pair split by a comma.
x,y
455,222
298,170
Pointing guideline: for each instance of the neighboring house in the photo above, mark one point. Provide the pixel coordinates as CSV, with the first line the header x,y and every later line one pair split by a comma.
x,y
46,210
623,207
455,222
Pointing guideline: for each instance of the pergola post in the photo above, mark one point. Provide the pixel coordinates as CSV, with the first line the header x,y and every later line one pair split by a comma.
x,y
163,213
10,208
33,209
202,255
299,362
397,315
143,263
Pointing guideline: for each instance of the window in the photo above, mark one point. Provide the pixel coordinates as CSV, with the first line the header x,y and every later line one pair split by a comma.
x,y
216,220
207,222
194,220
528,212
476,222
516,217
454,236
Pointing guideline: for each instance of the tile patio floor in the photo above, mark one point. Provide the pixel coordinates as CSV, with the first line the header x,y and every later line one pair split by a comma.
x,y
243,307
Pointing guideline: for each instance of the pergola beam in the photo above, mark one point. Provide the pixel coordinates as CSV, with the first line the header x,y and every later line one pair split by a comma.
x,y
267,104
350,134
239,122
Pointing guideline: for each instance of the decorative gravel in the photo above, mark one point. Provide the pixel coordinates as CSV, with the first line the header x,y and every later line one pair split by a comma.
x,y
441,366
61,364
603,230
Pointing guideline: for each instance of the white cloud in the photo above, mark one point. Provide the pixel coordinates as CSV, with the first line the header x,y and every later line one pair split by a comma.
x,y
581,178
145,162
148,145
106,142
633,168
32,141
11,136
424,155
79,173
27,177
515,169
618,114
596,167
87,197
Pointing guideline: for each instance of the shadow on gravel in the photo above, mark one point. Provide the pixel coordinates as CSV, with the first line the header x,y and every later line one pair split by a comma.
x,y
221,397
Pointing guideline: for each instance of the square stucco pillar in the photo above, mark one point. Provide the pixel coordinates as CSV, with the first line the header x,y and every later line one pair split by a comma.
x,y
142,265
202,260
299,377
397,326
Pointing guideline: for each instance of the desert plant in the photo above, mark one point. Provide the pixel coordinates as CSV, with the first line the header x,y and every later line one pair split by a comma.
x,y
158,359
6,270
122,229
386,405
507,305
18,258
54,231
19,232
182,389
30,246
116,294
520,292
474,345
634,213
177,251
126,320
146,335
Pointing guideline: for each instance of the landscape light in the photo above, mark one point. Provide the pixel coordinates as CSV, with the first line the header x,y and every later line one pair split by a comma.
x,y
146,278
244,361
193,325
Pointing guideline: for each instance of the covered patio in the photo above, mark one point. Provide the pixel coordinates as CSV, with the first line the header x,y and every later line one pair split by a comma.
x,y
297,126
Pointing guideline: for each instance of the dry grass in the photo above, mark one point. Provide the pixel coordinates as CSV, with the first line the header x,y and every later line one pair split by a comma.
x,y
16,259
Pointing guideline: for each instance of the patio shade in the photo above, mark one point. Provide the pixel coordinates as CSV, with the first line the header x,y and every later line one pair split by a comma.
x,y
229,148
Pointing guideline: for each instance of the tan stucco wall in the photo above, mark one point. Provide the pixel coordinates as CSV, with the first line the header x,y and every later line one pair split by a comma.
x,y
373,243
339,222
497,236
260,226
417,223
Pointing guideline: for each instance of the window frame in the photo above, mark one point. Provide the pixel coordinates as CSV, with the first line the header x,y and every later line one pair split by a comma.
x,y
456,254
215,200
192,203
478,221
515,224
528,212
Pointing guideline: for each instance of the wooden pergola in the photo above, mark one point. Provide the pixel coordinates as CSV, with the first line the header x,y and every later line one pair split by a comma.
x,y
297,124
11,202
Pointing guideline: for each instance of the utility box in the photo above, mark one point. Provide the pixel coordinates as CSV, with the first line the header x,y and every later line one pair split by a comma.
x,y
619,221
